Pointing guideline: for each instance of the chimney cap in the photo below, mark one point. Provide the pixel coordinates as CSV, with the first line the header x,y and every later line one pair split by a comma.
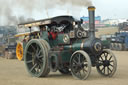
x,y
91,8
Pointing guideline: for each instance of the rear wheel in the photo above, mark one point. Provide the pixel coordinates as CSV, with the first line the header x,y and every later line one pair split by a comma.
x,y
107,63
47,46
36,58
80,65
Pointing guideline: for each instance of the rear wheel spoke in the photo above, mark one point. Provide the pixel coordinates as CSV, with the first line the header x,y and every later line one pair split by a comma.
x,y
33,47
30,53
41,56
33,67
30,61
38,68
39,52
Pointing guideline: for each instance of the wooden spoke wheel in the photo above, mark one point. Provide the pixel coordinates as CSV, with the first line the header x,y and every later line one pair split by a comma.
x,y
80,65
107,63
36,58
19,51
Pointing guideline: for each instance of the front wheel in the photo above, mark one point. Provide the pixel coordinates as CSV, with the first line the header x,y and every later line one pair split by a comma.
x,y
107,63
80,65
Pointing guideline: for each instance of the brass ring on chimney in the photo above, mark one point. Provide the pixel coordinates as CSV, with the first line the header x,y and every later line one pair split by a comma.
x,y
91,8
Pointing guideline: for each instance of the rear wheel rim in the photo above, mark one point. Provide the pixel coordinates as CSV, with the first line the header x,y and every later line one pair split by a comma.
x,y
35,58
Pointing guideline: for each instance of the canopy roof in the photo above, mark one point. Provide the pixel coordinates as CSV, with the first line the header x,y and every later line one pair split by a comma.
x,y
57,20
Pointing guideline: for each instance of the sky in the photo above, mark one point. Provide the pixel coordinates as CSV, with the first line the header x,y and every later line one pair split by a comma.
x,y
111,8
107,9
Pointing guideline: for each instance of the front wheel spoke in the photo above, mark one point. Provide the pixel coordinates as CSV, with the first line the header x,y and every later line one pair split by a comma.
x,y
33,67
102,58
111,65
109,69
111,61
100,64
104,70
110,58
105,56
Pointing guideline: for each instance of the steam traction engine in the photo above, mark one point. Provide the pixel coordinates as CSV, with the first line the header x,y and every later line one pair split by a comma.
x,y
62,43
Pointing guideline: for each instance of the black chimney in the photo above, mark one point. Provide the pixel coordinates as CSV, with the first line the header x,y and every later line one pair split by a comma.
x,y
91,11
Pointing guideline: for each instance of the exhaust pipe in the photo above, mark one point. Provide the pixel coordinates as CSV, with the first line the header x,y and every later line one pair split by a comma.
x,y
91,11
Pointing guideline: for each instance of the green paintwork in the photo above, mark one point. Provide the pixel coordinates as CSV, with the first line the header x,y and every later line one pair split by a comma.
x,y
75,46
65,55
44,35
24,45
106,43
58,41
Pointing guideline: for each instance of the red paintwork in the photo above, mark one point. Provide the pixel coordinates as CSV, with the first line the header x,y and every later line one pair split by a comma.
x,y
54,35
